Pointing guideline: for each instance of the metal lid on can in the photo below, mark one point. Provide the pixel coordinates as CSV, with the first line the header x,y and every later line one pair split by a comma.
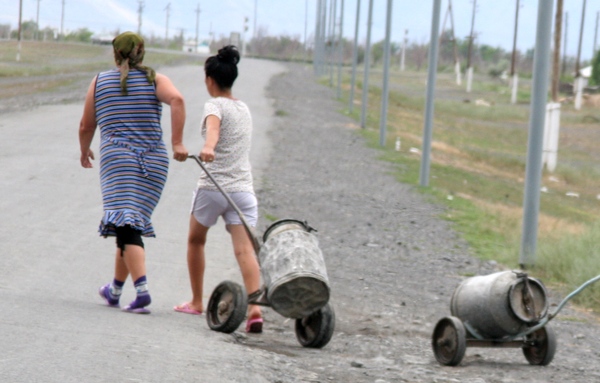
x,y
527,297
286,224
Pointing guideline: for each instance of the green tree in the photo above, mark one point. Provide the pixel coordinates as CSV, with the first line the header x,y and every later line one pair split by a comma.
x,y
595,79
82,35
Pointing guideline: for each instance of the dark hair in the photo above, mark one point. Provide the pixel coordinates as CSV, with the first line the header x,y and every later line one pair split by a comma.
x,y
223,66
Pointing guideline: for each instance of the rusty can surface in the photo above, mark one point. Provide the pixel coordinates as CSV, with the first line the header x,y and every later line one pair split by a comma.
x,y
500,304
293,269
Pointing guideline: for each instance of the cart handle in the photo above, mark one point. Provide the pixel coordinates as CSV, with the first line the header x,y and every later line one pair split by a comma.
x,y
249,229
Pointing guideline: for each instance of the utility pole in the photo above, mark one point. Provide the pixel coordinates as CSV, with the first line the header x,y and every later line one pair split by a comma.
x,y
386,76
596,35
365,85
533,169
557,46
332,21
19,32
197,27
454,46
513,71
552,122
254,30
305,30
354,58
62,21
403,54
564,63
140,10
340,51
469,54
429,102
37,21
578,79
168,9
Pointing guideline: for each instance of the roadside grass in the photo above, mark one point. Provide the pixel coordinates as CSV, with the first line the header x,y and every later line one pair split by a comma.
x,y
478,168
51,58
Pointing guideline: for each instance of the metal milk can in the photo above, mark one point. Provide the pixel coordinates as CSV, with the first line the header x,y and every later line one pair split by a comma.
x,y
293,269
500,304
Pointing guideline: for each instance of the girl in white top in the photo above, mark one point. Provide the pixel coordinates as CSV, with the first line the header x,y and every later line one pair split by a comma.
x,y
227,130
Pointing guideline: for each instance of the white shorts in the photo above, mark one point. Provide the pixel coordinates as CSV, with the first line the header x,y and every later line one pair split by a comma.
x,y
209,205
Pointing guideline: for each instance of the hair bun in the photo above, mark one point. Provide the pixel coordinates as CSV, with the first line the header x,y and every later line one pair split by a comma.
x,y
229,54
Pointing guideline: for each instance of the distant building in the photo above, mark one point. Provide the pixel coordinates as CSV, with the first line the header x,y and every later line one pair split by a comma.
x,y
102,39
190,46
4,31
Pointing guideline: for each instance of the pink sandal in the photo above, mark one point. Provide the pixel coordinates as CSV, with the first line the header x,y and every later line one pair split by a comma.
x,y
254,325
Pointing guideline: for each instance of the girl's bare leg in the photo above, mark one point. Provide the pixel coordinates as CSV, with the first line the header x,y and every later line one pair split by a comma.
x,y
196,263
244,253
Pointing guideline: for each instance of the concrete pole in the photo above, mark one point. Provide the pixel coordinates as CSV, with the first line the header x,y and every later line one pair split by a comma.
x,y
431,78
533,170
305,30
596,35
579,81
386,76
140,10
62,21
365,87
557,48
332,33
470,54
168,9
37,21
18,58
403,57
340,51
354,59
254,28
198,11
513,63
454,45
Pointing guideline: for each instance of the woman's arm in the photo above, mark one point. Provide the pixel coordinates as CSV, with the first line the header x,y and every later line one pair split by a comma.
x,y
87,127
168,94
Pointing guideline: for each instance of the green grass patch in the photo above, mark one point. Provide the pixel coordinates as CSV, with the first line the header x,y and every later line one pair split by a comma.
x,y
478,168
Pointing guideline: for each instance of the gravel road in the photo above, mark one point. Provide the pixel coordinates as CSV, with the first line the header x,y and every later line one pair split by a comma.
x,y
392,262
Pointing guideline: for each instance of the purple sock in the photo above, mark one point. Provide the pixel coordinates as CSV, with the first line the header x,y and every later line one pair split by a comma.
x,y
112,292
143,296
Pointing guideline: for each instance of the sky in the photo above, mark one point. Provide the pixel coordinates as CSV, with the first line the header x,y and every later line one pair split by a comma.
x,y
494,19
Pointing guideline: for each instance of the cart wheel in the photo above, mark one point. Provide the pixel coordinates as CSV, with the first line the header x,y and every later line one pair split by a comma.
x,y
316,330
540,346
449,341
227,307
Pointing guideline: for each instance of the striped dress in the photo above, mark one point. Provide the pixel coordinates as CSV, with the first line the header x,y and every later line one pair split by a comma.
x,y
133,158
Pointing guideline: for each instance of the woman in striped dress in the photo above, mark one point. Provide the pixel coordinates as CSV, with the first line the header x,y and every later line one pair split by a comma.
x,y
126,103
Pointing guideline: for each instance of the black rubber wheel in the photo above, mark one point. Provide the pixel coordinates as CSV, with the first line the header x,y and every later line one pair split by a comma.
x,y
449,341
540,346
316,330
227,307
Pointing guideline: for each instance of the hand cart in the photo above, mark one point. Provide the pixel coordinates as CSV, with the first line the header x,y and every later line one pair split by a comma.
x,y
294,276
502,310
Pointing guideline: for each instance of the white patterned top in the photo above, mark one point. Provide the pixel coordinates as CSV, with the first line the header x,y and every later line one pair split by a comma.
x,y
231,166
